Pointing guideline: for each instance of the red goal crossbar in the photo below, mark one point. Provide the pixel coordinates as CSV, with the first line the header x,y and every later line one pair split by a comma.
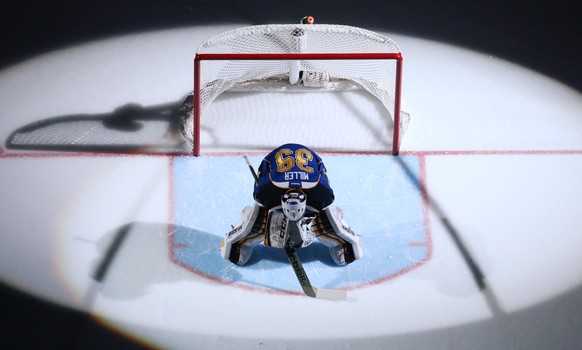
x,y
295,56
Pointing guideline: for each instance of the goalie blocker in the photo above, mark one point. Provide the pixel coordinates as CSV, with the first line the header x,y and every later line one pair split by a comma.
x,y
293,207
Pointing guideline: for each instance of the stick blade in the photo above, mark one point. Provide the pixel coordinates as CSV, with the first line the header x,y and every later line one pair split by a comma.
x,y
330,294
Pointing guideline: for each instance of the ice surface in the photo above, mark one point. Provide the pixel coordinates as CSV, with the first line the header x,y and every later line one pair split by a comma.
x,y
493,153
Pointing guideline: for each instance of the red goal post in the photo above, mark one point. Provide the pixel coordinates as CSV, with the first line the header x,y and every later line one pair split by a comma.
x,y
242,48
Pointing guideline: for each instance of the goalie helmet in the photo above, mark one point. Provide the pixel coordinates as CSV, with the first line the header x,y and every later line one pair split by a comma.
x,y
293,203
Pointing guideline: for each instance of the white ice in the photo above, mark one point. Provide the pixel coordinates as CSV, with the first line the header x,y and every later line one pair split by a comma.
x,y
501,148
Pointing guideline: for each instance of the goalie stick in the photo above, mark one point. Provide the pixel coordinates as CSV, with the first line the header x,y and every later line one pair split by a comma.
x,y
308,288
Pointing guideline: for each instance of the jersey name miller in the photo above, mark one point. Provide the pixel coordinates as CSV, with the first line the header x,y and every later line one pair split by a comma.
x,y
296,175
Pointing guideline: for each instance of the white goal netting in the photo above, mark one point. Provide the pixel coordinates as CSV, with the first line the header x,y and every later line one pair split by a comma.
x,y
295,57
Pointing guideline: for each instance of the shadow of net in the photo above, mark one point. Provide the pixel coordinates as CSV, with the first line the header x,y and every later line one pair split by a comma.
x,y
130,128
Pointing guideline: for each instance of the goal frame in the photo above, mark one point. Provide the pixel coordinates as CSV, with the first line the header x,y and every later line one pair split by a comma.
x,y
196,105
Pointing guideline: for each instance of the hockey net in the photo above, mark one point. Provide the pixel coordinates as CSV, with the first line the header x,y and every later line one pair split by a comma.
x,y
297,57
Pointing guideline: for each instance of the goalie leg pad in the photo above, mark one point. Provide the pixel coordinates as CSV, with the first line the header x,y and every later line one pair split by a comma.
x,y
238,244
344,245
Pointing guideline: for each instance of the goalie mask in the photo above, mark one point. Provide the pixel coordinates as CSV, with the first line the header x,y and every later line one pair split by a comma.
x,y
293,203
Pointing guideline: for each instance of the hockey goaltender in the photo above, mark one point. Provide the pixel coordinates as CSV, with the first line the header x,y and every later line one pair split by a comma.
x,y
292,207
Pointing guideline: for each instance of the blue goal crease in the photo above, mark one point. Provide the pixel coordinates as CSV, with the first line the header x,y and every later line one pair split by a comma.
x,y
380,197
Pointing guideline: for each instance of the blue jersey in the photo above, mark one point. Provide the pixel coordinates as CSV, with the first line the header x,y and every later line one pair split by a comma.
x,y
293,166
